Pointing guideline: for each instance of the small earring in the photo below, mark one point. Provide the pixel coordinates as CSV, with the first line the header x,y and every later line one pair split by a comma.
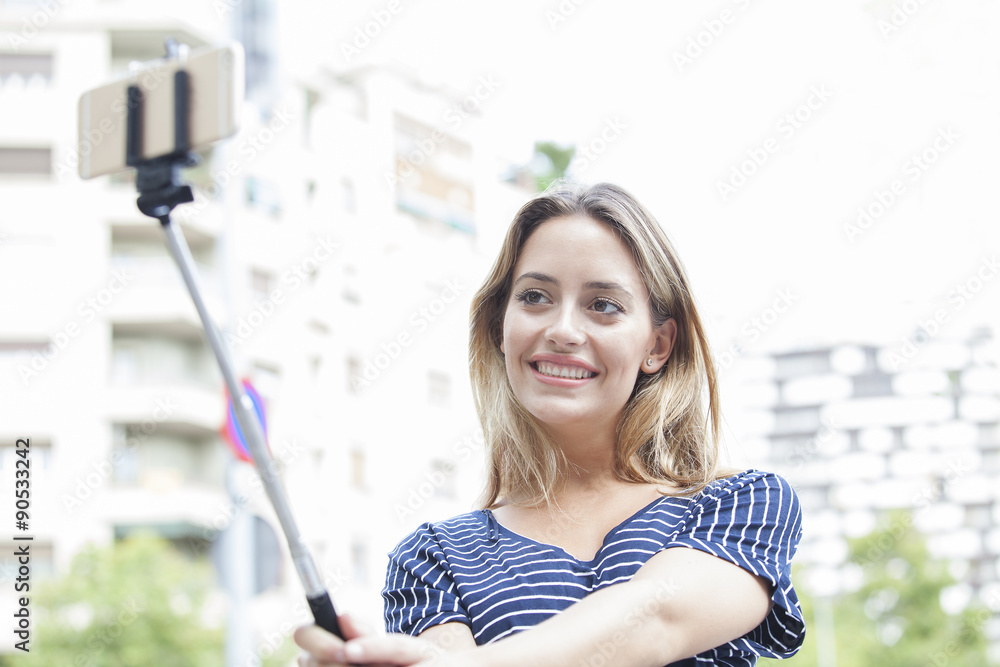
x,y
649,362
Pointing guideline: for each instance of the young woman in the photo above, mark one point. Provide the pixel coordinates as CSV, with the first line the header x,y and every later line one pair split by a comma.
x,y
608,534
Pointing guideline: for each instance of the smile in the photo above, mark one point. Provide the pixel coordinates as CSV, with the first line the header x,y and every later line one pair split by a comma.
x,y
568,372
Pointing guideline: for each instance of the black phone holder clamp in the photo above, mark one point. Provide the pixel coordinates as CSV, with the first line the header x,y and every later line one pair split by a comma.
x,y
158,179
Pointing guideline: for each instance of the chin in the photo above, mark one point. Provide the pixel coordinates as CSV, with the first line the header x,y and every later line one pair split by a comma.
x,y
562,418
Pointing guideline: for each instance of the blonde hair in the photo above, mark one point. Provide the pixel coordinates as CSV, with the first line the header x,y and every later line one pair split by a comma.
x,y
663,433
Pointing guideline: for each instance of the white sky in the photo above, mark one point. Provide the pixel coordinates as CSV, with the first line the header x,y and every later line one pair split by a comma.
x,y
889,96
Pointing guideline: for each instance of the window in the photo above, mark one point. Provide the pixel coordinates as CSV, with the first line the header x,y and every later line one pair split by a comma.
x,y
267,382
348,198
358,468
263,195
28,161
156,456
42,564
125,437
255,30
789,421
433,170
355,380
39,454
443,477
312,99
798,364
359,560
351,293
872,384
16,349
261,282
150,359
125,365
31,69
439,388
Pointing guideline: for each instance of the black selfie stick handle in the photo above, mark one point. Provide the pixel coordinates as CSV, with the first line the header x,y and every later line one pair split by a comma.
x,y
160,187
323,612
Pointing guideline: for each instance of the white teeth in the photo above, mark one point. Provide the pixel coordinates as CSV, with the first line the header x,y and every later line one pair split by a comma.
x,y
571,372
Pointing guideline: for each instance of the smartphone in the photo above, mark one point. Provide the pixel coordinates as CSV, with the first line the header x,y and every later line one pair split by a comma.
x,y
216,93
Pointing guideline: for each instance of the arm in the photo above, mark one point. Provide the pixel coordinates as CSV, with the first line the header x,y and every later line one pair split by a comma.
x,y
680,603
323,648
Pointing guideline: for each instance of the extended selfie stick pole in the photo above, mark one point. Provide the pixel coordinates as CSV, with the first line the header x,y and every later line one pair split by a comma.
x,y
160,190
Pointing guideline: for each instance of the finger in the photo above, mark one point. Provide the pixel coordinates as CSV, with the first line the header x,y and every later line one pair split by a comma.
x,y
352,628
391,649
322,646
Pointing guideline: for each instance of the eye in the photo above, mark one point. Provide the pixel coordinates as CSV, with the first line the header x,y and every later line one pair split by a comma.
x,y
531,296
608,306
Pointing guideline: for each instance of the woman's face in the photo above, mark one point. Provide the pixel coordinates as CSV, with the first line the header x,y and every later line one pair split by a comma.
x,y
577,330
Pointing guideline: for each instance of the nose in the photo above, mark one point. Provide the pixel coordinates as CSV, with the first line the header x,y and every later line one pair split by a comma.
x,y
565,327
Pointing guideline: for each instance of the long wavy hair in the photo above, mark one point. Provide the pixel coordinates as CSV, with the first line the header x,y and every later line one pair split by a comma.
x,y
664,434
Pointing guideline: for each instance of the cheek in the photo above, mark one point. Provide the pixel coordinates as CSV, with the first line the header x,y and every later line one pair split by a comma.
x,y
510,333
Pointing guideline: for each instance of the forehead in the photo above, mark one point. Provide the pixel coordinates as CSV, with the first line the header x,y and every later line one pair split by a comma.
x,y
579,246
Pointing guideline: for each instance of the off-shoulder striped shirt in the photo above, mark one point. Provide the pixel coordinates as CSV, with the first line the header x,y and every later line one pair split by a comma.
x,y
472,570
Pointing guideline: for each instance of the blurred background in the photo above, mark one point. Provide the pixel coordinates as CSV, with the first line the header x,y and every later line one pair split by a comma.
x,y
826,171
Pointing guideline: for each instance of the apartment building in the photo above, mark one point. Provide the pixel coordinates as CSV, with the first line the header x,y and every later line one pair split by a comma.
x,y
338,239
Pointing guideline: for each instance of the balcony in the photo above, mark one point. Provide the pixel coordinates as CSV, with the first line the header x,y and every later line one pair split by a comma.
x,y
164,377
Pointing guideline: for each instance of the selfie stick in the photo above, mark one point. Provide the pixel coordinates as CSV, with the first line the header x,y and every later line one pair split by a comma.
x,y
160,190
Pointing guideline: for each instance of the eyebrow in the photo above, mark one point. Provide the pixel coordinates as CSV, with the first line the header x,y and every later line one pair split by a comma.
x,y
593,284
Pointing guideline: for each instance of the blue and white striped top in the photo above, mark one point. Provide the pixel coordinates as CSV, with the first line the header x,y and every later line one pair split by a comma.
x,y
472,570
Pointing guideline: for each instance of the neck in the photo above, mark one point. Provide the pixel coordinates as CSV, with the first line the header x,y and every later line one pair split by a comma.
x,y
591,456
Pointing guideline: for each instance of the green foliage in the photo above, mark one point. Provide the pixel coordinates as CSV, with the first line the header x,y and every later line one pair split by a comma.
x,y
552,161
137,603
894,618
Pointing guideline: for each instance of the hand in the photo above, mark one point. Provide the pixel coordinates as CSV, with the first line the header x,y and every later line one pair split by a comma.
x,y
362,648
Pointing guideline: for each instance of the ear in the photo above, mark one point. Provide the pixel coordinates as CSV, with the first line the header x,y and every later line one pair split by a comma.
x,y
662,344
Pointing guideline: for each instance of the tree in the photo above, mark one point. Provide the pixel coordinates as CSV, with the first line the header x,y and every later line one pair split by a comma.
x,y
894,617
550,162
136,603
